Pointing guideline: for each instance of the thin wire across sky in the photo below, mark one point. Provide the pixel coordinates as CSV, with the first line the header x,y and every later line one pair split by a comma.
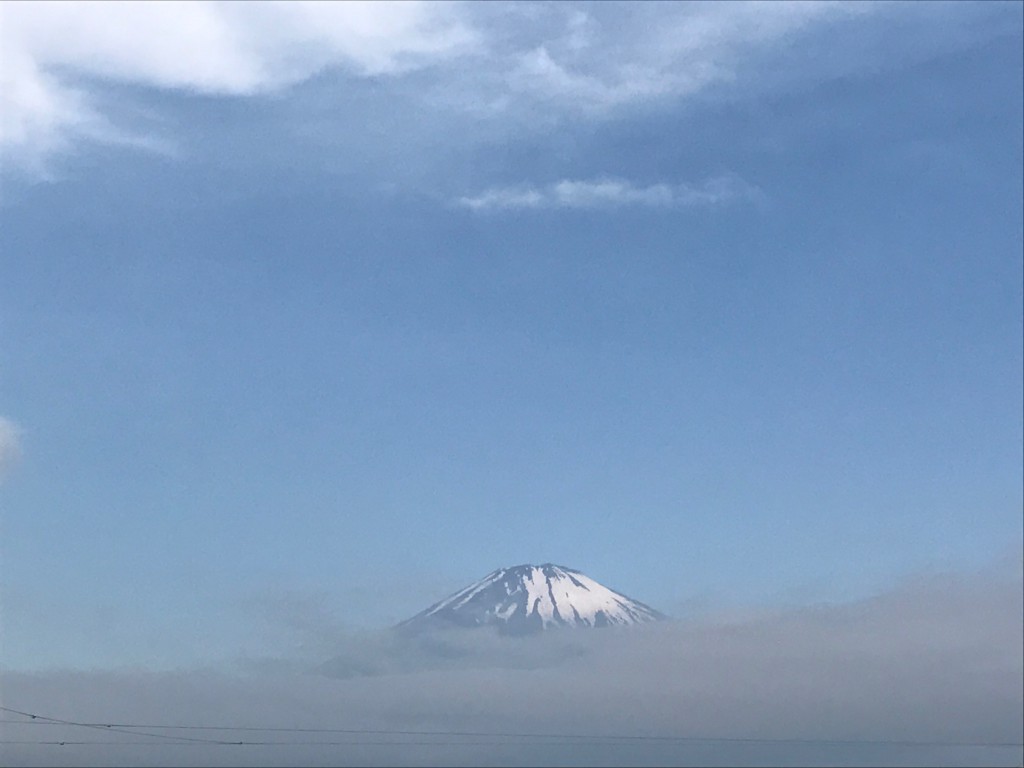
x,y
403,737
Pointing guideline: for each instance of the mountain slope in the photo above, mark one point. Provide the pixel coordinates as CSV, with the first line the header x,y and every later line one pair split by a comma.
x,y
531,598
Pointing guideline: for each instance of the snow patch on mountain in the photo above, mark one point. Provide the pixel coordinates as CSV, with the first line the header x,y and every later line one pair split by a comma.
x,y
531,598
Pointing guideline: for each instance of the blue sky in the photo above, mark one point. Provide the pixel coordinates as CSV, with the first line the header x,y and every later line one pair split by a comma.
x,y
348,305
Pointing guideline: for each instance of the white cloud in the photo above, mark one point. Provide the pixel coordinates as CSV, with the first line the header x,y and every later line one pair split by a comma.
x,y
611,192
10,444
51,53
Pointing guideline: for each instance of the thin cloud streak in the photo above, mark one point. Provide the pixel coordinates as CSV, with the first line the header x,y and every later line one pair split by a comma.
x,y
612,193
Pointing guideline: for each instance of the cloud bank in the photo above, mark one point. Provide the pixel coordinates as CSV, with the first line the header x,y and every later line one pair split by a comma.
x,y
911,677
610,193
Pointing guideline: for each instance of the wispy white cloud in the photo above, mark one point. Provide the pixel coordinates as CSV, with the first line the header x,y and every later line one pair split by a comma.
x,y
605,61
10,445
611,193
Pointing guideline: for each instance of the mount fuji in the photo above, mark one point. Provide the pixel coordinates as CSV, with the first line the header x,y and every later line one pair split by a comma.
x,y
525,599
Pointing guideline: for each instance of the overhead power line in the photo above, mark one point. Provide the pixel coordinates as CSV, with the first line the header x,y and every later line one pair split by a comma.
x,y
111,728
296,743
143,729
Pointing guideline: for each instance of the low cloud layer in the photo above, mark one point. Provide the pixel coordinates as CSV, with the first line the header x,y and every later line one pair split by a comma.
x,y
611,193
920,673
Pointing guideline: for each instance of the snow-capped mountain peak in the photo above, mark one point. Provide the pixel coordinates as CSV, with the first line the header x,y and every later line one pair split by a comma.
x,y
530,598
